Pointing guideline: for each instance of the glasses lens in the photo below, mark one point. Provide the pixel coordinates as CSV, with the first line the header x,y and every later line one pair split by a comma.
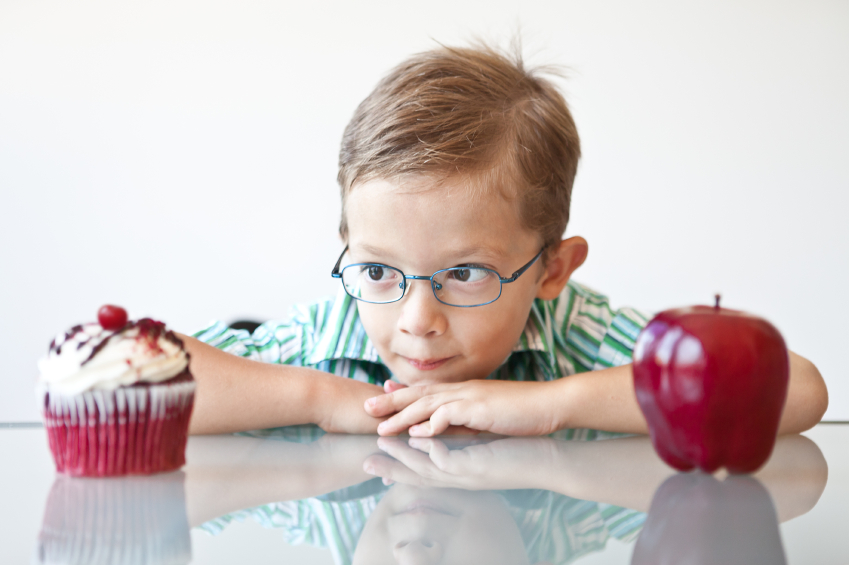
x,y
471,286
373,283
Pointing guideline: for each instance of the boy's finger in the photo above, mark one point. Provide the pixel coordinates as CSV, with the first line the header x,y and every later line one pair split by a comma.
x,y
391,386
394,401
445,416
419,411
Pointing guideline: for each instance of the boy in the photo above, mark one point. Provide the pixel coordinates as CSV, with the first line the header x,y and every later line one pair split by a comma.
x,y
460,164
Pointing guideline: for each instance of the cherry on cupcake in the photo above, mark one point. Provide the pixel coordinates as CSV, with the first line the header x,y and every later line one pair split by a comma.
x,y
112,317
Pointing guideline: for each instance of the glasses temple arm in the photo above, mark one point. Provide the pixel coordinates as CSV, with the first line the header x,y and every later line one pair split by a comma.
x,y
335,272
524,268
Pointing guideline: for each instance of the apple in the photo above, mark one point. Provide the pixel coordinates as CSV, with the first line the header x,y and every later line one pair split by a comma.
x,y
711,383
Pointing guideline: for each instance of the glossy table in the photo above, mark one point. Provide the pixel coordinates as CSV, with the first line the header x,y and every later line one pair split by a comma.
x,y
299,496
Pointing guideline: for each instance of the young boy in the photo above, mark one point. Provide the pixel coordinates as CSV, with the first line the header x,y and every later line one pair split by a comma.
x,y
456,174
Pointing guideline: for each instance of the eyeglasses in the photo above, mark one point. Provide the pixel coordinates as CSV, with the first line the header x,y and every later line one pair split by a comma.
x,y
465,287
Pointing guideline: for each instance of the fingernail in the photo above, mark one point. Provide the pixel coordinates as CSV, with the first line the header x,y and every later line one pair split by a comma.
x,y
387,482
371,402
381,427
369,469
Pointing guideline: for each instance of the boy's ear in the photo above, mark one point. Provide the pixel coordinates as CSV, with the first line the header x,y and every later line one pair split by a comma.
x,y
569,255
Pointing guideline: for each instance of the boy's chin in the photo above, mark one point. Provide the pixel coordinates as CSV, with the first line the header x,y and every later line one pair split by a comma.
x,y
423,378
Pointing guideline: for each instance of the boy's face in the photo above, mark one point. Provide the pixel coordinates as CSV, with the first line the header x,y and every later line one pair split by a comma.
x,y
429,526
420,227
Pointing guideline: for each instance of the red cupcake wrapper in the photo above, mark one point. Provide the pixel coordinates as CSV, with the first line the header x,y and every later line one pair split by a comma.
x,y
133,430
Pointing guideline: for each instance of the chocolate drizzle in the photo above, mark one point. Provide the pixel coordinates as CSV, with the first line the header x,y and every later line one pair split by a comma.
x,y
68,335
97,348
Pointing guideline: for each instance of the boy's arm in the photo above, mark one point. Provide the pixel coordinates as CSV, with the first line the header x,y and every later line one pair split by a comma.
x,y
609,402
602,400
237,394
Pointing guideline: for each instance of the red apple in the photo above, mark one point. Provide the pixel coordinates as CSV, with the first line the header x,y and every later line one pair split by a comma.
x,y
711,384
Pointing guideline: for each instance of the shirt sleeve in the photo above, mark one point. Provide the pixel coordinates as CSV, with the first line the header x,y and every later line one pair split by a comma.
x,y
596,336
272,342
617,345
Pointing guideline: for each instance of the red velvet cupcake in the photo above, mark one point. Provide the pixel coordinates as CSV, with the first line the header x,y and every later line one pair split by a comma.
x,y
116,397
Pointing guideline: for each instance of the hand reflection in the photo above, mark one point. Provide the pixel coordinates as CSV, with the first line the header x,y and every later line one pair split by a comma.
x,y
483,462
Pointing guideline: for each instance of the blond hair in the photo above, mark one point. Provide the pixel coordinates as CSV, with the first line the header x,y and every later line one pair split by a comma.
x,y
475,112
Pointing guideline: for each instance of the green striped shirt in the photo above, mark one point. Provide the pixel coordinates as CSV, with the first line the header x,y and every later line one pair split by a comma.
x,y
576,332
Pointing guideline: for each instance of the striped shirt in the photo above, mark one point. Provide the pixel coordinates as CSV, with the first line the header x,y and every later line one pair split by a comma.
x,y
576,332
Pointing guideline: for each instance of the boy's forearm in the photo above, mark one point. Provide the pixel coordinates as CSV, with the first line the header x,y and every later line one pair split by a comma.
x,y
601,400
605,400
236,394
807,397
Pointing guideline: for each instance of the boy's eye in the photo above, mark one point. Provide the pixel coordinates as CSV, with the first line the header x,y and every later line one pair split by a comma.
x,y
469,274
375,273
462,274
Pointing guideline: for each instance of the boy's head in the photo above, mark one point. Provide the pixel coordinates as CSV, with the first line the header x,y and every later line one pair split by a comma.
x,y
459,158
475,114
428,526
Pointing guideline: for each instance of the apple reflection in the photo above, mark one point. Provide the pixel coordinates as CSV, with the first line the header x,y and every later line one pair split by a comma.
x,y
138,520
695,519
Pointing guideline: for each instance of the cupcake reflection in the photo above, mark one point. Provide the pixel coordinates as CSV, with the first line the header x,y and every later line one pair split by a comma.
x,y
134,520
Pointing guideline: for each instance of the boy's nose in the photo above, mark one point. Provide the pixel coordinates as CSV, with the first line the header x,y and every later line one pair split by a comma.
x,y
417,552
421,313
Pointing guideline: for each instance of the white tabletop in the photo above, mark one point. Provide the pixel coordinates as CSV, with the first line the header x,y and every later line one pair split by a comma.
x,y
228,474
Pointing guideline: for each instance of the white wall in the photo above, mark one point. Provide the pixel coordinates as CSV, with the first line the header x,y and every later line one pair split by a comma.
x,y
178,158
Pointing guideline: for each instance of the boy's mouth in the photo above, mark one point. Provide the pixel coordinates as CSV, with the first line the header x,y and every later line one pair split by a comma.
x,y
427,364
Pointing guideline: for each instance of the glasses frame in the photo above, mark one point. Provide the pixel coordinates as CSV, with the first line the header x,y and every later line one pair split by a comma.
x,y
337,274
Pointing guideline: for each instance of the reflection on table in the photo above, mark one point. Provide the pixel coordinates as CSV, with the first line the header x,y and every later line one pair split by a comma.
x,y
471,500
131,520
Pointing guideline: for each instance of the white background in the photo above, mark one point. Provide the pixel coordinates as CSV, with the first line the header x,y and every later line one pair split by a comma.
x,y
179,158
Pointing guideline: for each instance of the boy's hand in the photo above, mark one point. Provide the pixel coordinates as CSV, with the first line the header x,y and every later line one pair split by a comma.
x,y
500,407
340,406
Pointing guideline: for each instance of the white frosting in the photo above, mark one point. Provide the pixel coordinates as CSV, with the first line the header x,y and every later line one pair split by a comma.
x,y
126,359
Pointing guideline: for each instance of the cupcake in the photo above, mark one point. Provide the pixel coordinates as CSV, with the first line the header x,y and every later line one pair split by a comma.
x,y
116,397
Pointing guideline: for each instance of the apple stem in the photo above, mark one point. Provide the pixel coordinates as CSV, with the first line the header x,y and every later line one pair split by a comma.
x,y
716,305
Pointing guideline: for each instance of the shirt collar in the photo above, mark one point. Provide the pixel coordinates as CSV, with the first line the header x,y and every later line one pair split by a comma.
x,y
342,336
